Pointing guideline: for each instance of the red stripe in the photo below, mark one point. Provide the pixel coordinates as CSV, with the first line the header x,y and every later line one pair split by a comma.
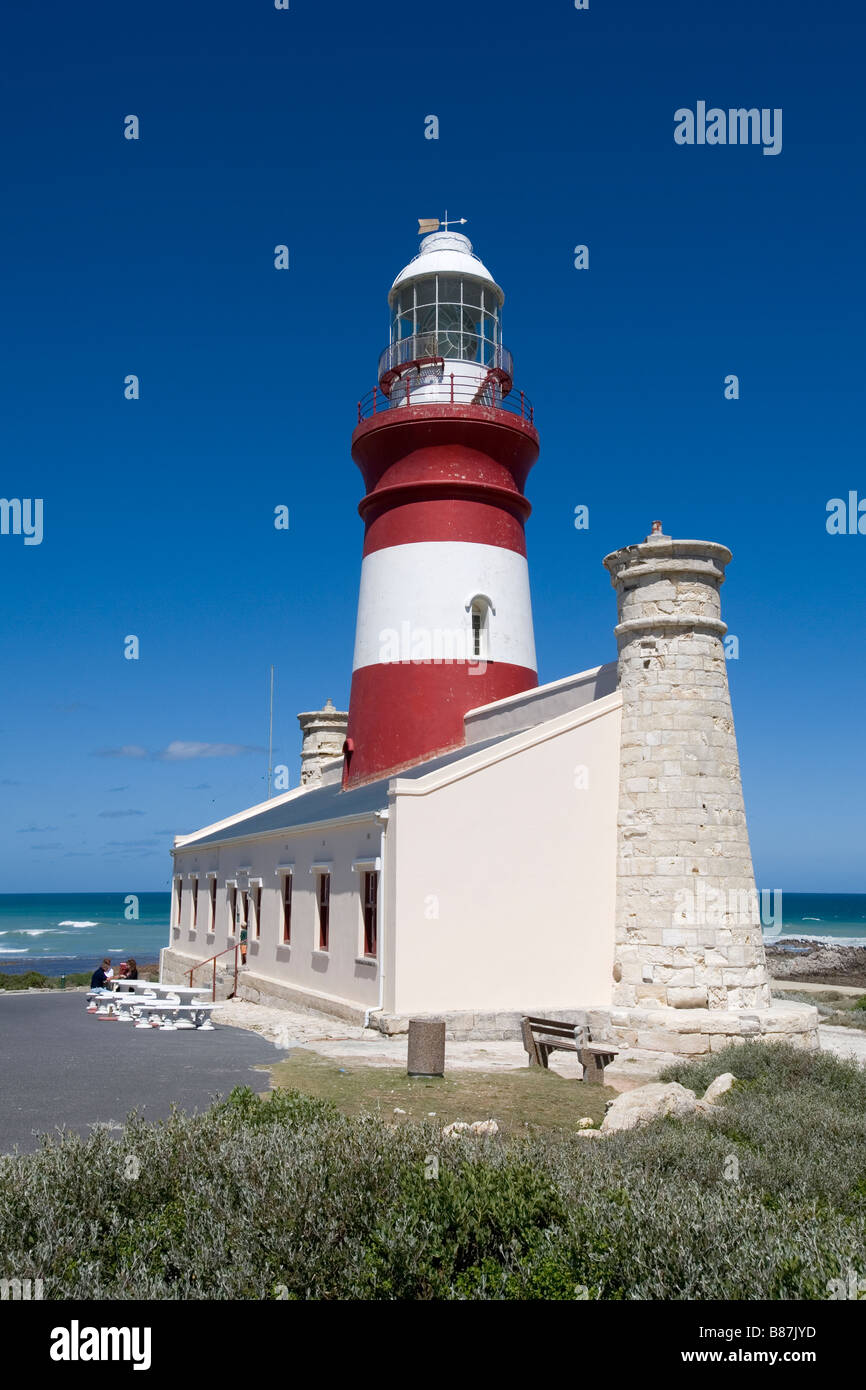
x,y
475,522
385,439
403,713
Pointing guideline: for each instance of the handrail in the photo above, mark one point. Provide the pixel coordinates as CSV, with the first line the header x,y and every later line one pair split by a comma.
x,y
424,345
207,961
435,386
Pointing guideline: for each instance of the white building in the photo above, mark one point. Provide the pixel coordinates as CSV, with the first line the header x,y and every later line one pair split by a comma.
x,y
486,847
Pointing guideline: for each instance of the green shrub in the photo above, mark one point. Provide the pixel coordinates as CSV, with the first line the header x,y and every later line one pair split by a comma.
x,y
284,1196
31,979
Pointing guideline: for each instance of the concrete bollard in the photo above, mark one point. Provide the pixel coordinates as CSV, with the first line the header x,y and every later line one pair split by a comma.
x,y
426,1052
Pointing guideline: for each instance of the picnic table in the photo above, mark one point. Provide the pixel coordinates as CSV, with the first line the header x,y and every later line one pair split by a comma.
x,y
169,1013
148,1003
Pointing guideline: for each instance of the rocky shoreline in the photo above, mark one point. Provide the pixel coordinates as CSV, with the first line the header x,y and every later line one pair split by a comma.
x,y
801,959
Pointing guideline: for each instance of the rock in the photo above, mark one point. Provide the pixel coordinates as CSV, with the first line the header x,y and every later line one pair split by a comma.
x,y
589,1133
587,1122
484,1127
647,1103
479,1128
398,1111
718,1087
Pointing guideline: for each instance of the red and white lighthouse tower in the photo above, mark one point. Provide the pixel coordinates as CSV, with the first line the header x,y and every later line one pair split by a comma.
x,y
444,443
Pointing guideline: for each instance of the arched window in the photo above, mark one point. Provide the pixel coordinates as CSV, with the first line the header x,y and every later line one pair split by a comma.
x,y
479,612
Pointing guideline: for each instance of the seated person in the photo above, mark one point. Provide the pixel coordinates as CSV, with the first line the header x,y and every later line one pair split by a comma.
x,y
101,974
131,969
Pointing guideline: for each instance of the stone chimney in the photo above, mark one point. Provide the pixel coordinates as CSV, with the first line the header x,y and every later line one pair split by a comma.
x,y
688,930
324,732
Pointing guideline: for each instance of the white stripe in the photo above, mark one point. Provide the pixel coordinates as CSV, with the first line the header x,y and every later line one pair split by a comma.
x,y
414,603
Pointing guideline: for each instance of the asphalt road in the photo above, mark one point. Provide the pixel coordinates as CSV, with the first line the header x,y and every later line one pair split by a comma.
x,y
63,1066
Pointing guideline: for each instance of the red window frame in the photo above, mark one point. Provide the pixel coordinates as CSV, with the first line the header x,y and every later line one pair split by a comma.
x,y
257,907
287,909
370,903
324,899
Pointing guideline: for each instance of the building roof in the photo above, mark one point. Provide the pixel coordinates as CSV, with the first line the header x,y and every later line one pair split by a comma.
x,y
325,803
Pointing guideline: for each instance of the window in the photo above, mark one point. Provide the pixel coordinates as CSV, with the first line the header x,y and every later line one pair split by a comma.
x,y
232,901
194,907
371,902
212,906
256,918
324,900
178,905
447,316
287,909
479,614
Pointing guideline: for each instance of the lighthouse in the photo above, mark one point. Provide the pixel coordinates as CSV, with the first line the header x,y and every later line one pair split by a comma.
x,y
444,442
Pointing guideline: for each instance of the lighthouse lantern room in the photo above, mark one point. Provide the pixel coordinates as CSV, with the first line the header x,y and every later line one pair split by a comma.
x,y
444,443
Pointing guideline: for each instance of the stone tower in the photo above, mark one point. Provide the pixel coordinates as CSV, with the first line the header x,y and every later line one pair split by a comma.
x,y
324,731
688,929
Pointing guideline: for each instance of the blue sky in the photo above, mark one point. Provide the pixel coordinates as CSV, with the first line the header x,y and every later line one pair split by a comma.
x,y
306,127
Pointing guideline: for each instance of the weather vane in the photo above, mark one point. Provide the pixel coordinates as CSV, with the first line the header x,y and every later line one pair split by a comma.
x,y
432,224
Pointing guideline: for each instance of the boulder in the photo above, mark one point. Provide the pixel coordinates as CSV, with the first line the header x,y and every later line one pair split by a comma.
x,y
647,1103
718,1087
484,1127
479,1129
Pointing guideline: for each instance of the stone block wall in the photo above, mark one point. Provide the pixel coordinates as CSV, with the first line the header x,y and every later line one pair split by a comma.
x,y
688,932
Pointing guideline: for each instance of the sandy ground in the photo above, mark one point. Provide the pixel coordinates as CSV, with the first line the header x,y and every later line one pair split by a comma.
x,y
828,987
330,1037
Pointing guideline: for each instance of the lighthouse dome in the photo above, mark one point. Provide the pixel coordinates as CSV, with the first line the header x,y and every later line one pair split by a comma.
x,y
446,253
445,305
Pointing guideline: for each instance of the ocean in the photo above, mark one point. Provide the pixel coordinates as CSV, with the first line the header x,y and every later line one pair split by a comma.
x,y
63,933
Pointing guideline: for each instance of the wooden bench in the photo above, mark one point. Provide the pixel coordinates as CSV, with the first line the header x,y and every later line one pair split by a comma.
x,y
541,1036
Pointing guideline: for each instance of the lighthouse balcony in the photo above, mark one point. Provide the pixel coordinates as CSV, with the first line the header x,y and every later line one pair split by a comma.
x,y
433,383
472,354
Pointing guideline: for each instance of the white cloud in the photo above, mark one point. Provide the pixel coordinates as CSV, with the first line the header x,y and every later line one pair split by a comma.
x,y
181,751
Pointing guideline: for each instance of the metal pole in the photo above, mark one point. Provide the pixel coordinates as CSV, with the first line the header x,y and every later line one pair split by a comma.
x,y
271,735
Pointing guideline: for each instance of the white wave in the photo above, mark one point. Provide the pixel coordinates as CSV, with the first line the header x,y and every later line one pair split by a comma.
x,y
791,935
810,919
36,931
13,950
78,924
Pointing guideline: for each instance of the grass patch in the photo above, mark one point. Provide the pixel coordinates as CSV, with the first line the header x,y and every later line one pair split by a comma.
x,y
33,979
520,1101
840,1010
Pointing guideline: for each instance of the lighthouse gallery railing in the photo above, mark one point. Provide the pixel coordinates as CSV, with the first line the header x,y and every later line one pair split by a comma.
x,y
447,388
